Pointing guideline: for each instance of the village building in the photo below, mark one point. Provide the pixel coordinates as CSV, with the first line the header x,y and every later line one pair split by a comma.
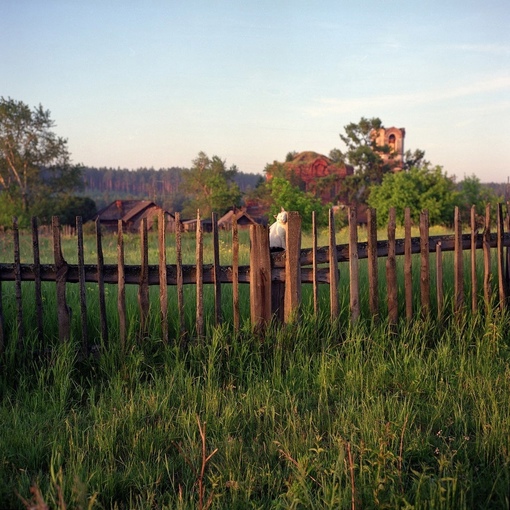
x,y
131,213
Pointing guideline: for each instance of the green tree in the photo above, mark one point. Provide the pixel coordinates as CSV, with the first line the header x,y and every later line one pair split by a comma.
x,y
34,162
419,188
473,192
291,198
210,186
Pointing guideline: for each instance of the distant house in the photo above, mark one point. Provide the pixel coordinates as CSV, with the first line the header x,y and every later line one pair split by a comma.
x,y
244,220
131,213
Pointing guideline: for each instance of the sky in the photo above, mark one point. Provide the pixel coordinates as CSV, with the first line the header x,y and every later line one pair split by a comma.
x,y
146,83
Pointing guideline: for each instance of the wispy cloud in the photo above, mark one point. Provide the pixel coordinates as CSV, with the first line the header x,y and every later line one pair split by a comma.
x,y
327,106
495,49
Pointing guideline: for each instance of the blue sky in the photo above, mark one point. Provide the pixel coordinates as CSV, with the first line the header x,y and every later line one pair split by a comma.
x,y
152,83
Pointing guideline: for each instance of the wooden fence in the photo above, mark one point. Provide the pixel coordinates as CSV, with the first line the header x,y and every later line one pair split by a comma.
x,y
275,278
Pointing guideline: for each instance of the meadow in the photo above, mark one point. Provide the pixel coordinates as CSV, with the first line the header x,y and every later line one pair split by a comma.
x,y
310,415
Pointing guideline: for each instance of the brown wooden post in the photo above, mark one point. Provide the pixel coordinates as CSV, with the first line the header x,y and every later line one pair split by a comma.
x,y
501,259
424,263
315,285
373,264
459,264
100,284
487,279
37,280
474,283
163,294
121,283
293,267
260,277
143,287
391,269
235,274
82,289
17,281
353,265
333,269
63,311
179,277
216,270
408,264
439,280
199,256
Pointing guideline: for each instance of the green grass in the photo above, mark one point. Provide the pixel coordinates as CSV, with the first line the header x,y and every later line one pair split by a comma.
x,y
309,416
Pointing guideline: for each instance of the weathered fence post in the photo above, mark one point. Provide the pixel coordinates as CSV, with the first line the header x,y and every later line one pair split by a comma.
x,y
408,264
487,291
458,276
501,259
260,277
100,284
199,261
373,266
474,283
333,269
82,288
315,285
353,265
61,267
292,267
17,279
37,280
425,263
235,274
216,270
163,291
179,278
391,270
143,287
439,280
121,282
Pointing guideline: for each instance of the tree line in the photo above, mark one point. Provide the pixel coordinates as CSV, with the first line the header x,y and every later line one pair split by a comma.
x,y
37,178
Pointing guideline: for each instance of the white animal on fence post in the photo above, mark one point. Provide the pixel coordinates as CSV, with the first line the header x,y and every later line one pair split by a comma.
x,y
278,232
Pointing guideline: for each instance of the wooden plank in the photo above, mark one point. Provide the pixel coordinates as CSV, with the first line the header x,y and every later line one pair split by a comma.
x,y
408,264
37,280
199,261
501,259
121,291
179,279
63,310
216,270
260,278
163,293
373,264
235,275
474,283
424,263
487,278
458,273
333,270
17,279
315,284
353,265
292,268
143,287
439,280
82,287
103,320
391,270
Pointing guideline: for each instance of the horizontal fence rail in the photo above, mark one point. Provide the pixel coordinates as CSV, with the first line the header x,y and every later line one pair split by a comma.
x,y
274,278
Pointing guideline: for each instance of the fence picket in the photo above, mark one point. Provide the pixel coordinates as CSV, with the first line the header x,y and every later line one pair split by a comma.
x,y
82,287
37,280
103,321
408,264
353,265
292,267
63,311
501,260
439,280
179,277
487,292
235,274
199,261
425,263
474,283
333,269
216,270
163,289
391,270
143,287
458,272
260,278
17,279
121,294
315,283
373,265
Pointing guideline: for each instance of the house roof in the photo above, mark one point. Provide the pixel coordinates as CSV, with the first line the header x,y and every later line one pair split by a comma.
x,y
229,216
125,210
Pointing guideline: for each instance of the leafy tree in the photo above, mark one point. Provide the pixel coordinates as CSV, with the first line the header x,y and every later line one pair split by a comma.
x,y
210,186
473,192
34,161
419,189
67,209
291,198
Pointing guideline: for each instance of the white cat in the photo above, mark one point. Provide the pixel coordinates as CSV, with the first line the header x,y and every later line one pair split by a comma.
x,y
278,231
